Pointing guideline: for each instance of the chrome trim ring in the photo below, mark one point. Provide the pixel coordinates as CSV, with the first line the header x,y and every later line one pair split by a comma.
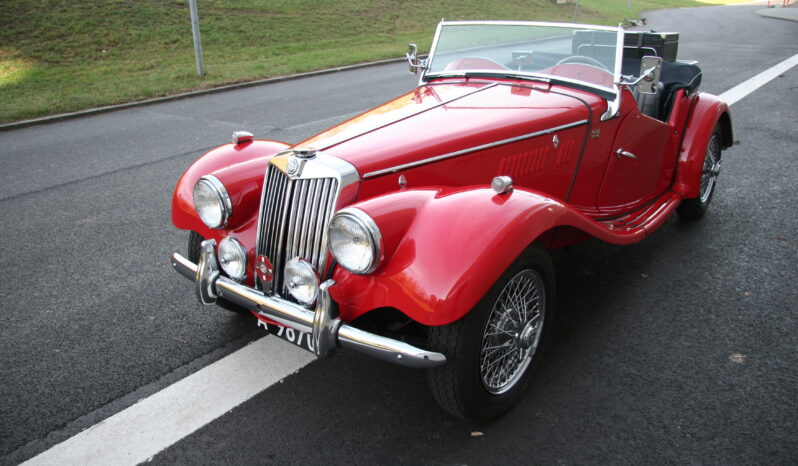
x,y
241,250
512,332
367,223
302,264
709,175
221,192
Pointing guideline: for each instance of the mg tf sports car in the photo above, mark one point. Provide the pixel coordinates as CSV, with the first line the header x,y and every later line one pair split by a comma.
x,y
419,232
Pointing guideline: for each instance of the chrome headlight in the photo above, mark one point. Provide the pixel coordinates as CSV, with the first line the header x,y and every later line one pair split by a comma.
x,y
233,258
355,241
212,201
302,280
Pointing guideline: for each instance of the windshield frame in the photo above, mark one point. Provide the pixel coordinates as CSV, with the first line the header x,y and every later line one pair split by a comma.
x,y
612,95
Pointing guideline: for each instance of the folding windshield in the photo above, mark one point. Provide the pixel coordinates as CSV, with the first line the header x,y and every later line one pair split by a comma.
x,y
579,54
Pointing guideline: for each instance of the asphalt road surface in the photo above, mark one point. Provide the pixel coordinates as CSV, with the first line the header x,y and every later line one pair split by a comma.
x,y
679,349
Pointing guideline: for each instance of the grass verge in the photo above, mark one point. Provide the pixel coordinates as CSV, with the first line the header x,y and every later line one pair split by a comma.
x,y
59,55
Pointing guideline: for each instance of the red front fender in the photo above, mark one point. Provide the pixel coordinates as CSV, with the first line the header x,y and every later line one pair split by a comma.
x,y
443,250
240,168
708,112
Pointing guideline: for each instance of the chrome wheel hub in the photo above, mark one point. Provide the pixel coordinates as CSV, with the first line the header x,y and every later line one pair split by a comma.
x,y
527,336
512,333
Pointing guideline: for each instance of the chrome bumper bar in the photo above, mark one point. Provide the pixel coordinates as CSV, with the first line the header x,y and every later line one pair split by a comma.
x,y
326,329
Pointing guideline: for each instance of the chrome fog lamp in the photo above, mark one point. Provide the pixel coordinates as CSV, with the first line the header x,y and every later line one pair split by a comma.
x,y
355,241
233,258
212,201
302,280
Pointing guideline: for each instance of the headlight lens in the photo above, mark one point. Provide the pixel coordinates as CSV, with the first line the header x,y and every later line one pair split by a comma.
x,y
355,241
302,280
233,258
212,202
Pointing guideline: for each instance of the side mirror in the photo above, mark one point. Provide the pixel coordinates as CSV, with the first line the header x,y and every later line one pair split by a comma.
x,y
650,68
412,59
646,82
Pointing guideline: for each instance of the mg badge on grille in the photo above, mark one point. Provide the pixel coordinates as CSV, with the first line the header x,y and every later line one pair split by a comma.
x,y
264,269
293,166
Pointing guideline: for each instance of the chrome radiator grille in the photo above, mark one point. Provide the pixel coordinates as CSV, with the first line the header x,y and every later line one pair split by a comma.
x,y
294,218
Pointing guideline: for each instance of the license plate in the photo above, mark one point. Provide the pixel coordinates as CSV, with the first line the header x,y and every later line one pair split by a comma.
x,y
297,337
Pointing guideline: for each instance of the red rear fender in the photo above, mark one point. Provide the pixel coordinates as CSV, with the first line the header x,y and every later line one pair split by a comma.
x,y
709,112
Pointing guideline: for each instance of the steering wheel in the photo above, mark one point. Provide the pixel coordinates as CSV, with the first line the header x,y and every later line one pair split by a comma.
x,y
583,60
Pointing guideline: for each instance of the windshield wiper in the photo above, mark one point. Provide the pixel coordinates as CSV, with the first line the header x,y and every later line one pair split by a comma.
x,y
528,78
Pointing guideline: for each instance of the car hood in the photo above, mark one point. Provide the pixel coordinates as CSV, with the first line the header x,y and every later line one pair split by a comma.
x,y
440,119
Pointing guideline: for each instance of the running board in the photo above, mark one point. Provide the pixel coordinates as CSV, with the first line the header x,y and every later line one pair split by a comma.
x,y
636,225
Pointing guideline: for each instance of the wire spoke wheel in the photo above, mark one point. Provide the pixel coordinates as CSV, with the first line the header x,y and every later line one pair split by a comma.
x,y
512,332
711,170
695,207
492,352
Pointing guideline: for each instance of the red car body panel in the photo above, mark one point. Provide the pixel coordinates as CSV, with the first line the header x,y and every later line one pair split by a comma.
x,y
484,113
240,168
444,248
447,236
709,111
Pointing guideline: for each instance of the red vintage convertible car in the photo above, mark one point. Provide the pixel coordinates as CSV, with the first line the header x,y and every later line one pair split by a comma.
x,y
419,232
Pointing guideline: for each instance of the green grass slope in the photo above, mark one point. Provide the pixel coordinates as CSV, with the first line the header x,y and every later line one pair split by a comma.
x,y
61,55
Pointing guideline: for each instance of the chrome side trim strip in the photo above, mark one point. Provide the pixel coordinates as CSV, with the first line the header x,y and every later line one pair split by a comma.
x,y
472,149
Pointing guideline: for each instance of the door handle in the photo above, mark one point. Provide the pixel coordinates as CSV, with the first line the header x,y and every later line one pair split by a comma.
x,y
622,153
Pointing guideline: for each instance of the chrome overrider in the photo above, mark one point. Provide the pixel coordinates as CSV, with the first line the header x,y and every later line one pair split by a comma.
x,y
327,330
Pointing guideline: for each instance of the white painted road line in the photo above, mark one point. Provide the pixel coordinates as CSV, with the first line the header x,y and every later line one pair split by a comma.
x,y
750,85
139,432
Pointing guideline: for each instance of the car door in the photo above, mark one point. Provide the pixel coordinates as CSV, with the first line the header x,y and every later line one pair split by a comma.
x,y
635,171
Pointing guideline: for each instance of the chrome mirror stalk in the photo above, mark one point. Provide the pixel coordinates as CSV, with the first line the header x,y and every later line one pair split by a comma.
x,y
646,83
415,63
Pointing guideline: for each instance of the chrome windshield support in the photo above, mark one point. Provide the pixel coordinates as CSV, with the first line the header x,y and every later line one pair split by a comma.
x,y
614,106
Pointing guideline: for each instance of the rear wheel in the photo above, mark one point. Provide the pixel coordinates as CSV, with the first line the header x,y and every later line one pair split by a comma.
x,y
492,352
695,207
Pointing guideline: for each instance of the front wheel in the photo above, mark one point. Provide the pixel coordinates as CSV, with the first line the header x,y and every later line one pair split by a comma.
x,y
492,352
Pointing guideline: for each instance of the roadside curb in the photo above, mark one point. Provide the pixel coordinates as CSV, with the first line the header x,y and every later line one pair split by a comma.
x,y
185,95
789,13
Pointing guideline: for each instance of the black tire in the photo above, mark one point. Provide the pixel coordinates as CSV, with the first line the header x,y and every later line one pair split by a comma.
x,y
194,241
694,208
460,385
